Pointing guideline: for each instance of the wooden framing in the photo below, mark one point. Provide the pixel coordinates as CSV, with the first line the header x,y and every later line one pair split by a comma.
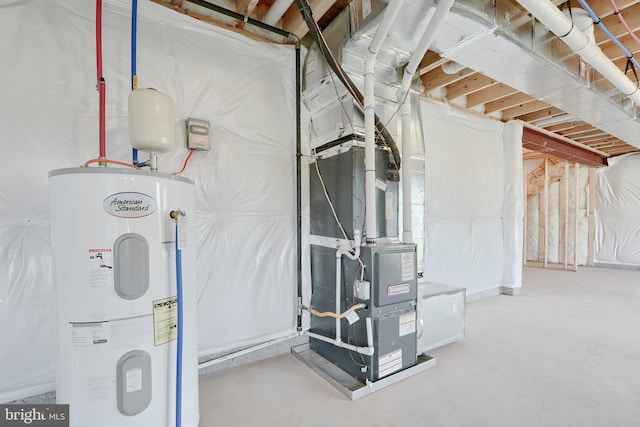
x,y
591,206
524,220
544,218
577,213
550,171
220,24
563,242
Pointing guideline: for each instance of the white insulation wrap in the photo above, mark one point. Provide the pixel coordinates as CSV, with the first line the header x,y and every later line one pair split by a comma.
x,y
244,222
473,198
618,211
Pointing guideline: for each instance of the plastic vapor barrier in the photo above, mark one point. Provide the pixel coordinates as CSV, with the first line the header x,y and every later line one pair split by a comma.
x,y
473,199
245,186
618,211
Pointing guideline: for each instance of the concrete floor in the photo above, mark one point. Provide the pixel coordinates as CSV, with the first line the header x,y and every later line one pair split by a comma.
x,y
566,352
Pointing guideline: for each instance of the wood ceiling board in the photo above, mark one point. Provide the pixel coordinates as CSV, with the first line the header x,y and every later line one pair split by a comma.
x,y
437,78
544,143
292,20
507,102
613,52
524,109
209,20
631,16
588,133
603,143
594,136
492,93
575,130
471,84
602,8
623,150
542,114
566,126
332,13
431,61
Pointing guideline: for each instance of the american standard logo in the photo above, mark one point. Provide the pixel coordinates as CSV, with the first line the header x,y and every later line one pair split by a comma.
x,y
129,205
34,415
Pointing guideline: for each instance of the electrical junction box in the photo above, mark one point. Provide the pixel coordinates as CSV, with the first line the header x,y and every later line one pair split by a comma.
x,y
198,134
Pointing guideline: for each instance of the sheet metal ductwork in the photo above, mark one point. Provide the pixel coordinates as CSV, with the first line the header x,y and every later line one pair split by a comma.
x,y
502,42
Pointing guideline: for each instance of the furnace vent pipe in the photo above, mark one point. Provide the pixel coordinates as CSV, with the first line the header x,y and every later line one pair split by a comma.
x,y
549,15
369,118
405,111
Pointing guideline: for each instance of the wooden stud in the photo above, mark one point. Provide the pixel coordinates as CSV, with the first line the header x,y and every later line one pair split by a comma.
x,y
577,212
545,211
524,221
591,206
564,217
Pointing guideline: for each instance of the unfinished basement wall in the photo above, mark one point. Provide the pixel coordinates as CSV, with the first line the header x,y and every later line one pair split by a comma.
x,y
245,186
473,200
556,218
618,213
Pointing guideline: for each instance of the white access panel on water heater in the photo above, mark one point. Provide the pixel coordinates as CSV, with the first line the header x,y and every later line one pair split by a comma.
x,y
115,273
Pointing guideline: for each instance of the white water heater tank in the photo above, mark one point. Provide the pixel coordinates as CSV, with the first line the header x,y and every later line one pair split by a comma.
x,y
151,121
114,260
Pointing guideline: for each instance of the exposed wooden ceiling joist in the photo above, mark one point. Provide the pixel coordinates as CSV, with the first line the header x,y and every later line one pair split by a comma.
x,y
493,92
292,20
474,83
437,78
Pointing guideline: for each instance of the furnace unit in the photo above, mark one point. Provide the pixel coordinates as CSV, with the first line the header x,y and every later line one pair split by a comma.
x,y
381,279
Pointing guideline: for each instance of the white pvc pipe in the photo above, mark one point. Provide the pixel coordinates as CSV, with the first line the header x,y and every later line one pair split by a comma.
x,y
407,220
547,13
425,42
276,11
239,353
368,351
369,118
405,111
338,287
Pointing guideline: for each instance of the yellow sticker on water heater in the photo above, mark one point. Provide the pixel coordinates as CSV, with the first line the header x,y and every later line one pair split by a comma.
x,y
165,320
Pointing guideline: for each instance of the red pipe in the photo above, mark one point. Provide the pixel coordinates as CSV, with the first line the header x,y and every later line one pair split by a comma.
x,y
101,84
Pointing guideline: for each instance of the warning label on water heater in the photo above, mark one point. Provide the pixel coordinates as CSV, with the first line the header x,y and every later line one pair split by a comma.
x,y
100,268
86,334
165,320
